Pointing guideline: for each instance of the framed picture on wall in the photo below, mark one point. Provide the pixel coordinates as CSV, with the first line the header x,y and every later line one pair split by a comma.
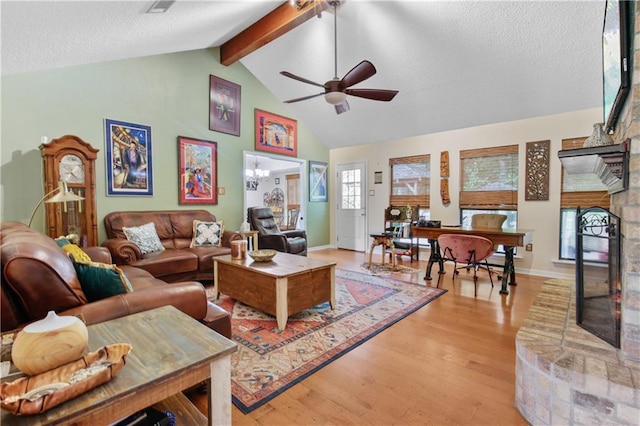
x,y
318,181
224,106
275,133
197,171
128,157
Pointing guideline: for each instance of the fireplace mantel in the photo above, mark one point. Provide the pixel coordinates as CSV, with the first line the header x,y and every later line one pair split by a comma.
x,y
610,163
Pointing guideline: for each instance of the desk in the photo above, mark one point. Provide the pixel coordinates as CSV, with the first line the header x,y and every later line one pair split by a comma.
x,y
509,238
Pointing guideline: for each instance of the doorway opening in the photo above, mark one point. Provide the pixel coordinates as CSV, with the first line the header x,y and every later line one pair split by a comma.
x,y
278,183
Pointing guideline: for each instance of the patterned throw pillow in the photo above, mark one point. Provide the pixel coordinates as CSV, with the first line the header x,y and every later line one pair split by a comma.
x,y
76,253
207,233
144,236
101,280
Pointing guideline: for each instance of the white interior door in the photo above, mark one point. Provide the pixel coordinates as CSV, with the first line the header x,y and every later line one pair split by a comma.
x,y
351,220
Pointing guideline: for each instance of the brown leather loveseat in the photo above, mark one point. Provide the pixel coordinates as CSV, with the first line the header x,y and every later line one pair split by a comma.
x,y
177,262
38,276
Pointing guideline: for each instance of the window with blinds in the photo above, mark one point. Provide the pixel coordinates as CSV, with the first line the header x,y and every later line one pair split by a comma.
x,y
293,191
410,181
577,190
489,178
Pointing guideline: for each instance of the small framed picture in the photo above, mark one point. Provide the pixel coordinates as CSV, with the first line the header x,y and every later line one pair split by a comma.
x,y
318,181
198,171
129,165
277,181
377,177
224,106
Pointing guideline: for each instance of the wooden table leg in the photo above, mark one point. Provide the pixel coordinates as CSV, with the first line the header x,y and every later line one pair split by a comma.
x,y
282,312
332,300
216,293
373,245
220,391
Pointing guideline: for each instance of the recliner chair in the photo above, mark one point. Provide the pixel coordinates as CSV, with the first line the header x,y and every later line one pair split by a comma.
x,y
270,236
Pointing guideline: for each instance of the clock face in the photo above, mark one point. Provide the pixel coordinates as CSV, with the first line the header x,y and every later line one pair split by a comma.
x,y
71,169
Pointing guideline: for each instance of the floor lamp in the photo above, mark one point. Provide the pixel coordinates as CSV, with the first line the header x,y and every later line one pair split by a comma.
x,y
63,195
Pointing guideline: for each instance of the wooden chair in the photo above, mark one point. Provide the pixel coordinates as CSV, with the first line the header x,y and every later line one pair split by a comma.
x,y
468,249
398,221
491,221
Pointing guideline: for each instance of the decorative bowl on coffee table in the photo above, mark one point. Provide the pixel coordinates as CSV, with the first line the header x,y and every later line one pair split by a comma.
x,y
262,255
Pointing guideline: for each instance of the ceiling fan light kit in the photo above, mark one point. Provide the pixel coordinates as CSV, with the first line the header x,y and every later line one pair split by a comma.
x,y
335,98
336,90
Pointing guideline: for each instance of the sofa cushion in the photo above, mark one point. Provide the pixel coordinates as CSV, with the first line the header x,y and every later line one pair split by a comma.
x,y
101,280
207,233
168,262
145,237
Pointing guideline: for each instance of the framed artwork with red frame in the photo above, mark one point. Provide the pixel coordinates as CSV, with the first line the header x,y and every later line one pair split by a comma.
x,y
198,171
276,134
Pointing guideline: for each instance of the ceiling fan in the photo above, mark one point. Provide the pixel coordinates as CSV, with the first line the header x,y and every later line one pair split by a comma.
x,y
336,90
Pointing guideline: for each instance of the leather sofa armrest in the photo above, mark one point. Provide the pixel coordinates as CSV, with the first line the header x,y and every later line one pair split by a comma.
x,y
228,236
273,241
295,233
98,254
189,297
123,252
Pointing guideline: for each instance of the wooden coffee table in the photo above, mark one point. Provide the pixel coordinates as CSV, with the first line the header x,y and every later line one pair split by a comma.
x,y
286,285
171,352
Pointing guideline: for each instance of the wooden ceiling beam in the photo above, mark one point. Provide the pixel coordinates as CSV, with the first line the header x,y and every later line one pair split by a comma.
x,y
280,21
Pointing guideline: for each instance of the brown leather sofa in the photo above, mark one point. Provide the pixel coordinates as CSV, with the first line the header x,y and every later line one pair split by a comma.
x,y
38,276
177,262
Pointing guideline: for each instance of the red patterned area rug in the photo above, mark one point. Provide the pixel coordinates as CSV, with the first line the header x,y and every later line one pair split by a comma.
x,y
270,361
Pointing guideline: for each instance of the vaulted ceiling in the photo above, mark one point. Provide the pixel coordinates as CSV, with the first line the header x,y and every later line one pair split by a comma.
x,y
456,64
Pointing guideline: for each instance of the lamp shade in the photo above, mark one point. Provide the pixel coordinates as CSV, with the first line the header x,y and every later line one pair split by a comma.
x,y
64,195
335,98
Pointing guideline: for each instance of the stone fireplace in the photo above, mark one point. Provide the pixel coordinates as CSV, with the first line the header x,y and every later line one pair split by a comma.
x,y
564,374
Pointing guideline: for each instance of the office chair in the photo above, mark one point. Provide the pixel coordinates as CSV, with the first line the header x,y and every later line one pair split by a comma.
x,y
470,249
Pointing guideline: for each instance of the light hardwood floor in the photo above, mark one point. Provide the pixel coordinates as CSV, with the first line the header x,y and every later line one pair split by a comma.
x,y
451,362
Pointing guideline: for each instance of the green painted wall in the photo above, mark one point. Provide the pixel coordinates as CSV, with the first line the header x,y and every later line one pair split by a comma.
x,y
170,93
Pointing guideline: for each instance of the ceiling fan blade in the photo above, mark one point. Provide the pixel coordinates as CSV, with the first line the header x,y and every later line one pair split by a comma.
x,y
360,72
373,94
303,98
342,107
302,79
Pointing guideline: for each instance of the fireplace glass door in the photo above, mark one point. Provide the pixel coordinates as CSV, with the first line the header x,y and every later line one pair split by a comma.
x,y
598,298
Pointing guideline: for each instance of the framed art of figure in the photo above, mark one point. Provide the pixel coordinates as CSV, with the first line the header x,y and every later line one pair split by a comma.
x,y
128,156
616,59
198,171
276,134
318,181
224,106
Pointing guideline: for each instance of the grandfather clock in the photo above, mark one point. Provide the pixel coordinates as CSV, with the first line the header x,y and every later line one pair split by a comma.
x,y
71,160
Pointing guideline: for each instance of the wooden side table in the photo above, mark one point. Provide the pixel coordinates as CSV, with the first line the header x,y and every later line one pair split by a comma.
x,y
254,238
386,241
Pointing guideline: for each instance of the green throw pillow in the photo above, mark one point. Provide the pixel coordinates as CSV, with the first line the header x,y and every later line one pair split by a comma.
x,y
101,280
62,241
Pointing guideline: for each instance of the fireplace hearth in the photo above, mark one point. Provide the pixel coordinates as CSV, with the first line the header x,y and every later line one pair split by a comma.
x,y
598,308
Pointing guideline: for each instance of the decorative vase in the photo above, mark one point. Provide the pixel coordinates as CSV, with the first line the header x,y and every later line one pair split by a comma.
x,y
598,138
49,343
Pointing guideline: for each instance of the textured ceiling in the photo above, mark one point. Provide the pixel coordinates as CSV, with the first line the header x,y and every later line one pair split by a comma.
x,y
455,64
